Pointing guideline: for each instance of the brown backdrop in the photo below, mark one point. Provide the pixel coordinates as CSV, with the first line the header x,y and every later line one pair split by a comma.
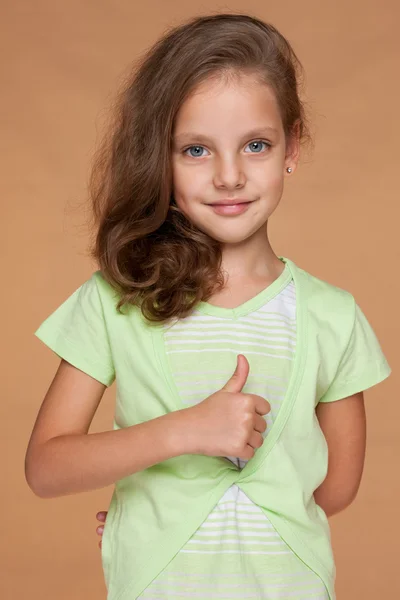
x,y
338,219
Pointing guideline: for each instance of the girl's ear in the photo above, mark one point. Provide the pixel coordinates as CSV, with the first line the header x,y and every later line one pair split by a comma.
x,y
293,147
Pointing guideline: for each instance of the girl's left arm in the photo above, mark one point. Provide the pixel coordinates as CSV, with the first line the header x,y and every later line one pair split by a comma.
x,y
343,424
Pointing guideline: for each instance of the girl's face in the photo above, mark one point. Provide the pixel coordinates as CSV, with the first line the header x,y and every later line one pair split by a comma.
x,y
229,143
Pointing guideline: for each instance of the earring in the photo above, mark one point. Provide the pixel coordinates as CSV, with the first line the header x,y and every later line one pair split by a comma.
x,y
289,169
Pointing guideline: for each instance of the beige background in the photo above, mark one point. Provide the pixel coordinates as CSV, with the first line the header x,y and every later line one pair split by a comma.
x,y
339,217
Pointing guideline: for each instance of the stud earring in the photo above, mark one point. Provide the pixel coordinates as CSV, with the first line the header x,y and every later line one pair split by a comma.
x,y
289,169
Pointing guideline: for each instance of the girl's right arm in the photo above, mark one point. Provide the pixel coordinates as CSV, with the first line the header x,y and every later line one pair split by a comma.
x,y
62,458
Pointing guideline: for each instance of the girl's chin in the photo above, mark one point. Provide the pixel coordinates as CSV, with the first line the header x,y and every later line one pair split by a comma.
x,y
226,234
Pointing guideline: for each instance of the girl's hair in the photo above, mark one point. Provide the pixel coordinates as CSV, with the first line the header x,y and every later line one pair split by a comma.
x,y
145,247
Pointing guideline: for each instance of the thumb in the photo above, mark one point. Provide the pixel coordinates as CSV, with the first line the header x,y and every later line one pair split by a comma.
x,y
239,377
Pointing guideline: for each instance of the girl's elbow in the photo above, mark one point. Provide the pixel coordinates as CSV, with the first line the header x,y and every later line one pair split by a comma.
x,y
34,470
339,504
348,494
34,484
335,499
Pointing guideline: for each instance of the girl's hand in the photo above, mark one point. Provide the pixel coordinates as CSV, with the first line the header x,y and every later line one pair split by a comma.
x,y
229,422
101,516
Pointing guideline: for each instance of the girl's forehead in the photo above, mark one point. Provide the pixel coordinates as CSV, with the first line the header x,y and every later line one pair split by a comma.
x,y
234,103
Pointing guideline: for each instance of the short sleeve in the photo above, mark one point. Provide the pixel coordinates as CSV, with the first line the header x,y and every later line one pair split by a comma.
x,y
76,331
363,363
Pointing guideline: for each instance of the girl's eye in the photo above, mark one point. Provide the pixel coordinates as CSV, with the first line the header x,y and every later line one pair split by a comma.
x,y
256,146
197,151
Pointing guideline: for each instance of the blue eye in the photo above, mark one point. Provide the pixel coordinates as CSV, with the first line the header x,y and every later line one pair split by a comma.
x,y
256,146
196,155
196,151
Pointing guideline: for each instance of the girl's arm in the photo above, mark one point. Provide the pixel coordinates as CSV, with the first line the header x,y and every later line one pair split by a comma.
x,y
343,423
62,458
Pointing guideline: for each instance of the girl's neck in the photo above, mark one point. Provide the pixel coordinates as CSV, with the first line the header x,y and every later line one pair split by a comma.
x,y
251,260
243,286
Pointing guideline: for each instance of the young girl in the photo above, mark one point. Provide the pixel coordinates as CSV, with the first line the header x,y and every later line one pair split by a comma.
x,y
237,372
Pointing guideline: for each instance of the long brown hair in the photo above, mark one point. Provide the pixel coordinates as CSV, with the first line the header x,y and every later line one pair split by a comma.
x,y
145,246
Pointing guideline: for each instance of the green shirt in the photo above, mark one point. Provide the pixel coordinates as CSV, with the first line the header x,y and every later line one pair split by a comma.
x,y
337,354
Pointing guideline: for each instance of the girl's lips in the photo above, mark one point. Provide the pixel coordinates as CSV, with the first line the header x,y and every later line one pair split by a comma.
x,y
230,209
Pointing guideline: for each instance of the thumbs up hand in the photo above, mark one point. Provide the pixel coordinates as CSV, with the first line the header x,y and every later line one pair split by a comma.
x,y
229,422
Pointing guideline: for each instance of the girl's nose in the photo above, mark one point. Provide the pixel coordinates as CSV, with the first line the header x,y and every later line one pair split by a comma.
x,y
229,174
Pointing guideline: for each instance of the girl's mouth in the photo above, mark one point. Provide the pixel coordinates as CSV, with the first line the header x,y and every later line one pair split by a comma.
x,y
230,209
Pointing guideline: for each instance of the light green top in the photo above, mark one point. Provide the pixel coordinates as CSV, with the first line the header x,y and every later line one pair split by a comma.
x,y
337,354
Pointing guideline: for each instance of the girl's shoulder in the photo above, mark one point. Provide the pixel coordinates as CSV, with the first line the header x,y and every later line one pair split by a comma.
x,y
345,338
107,293
320,293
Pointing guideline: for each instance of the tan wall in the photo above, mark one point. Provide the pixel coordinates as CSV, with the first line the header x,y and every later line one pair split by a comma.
x,y
338,219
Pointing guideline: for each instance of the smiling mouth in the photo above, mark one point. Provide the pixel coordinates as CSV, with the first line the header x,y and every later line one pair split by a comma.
x,y
230,202
230,209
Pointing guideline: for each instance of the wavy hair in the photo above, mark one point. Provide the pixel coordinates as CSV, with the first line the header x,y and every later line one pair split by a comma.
x,y
144,245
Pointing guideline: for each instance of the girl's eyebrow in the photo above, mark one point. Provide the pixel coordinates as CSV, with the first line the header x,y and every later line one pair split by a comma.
x,y
259,131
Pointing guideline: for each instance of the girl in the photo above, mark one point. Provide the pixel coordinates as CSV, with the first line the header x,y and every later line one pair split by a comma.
x,y
238,373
